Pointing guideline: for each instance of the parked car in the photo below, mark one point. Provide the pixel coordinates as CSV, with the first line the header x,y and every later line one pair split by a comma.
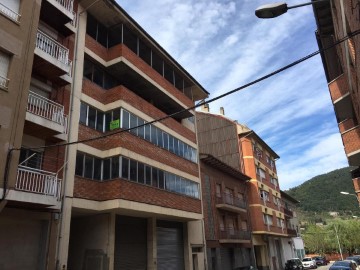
x,y
344,265
320,260
356,259
294,264
309,263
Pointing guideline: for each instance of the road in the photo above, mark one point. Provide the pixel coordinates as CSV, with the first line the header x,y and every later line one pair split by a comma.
x,y
325,267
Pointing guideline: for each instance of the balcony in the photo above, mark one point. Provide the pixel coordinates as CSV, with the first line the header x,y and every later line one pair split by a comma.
x,y
338,87
234,236
351,141
9,13
46,117
52,59
229,203
288,212
57,13
36,187
291,232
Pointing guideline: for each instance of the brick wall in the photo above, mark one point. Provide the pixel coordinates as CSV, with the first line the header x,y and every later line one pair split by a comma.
x,y
127,190
121,50
351,140
210,211
139,146
346,125
338,87
122,93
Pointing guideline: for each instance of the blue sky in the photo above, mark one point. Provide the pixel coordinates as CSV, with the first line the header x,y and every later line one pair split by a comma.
x,y
224,45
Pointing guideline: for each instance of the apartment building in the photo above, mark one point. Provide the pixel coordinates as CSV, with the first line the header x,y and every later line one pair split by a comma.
x,y
292,225
75,71
37,40
242,149
336,20
226,215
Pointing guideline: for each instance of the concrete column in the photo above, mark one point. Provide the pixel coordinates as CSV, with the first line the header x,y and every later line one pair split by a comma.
x,y
64,235
111,244
151,244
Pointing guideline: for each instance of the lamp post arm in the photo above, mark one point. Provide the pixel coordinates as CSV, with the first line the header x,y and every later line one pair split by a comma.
x,y
309,3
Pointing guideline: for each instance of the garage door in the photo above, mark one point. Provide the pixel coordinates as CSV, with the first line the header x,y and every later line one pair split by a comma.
x,y
170,246
130,243
226,258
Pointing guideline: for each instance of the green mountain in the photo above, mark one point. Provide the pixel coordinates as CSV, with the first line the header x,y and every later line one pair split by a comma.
x,y
322,193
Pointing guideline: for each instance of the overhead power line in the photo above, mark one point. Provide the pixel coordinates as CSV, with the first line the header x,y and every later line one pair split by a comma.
x,y
350,35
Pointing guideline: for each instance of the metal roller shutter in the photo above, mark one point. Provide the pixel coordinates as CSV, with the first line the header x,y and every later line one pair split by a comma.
x,y
170,246
226,258
130,243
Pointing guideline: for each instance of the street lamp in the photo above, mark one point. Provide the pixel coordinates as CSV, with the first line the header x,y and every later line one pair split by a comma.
x,y
347,193
269,11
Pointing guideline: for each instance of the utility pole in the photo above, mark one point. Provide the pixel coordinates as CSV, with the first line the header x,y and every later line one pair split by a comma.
x,y
337,237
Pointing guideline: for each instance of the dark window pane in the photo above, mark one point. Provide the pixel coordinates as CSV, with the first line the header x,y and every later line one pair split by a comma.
x,y
83,112
133,123
133,170
186,152
171,144
116,114
161,179
141,130
157,63
98,76
108,117
148,132
144,52
160,138
130,39
114,36
115,167
102,35
141,173
153,134
178,184
147,175
124,168
88,69
155,180
97,168
91,117
100,121
176,146
166,140
106,169
170,182
179,82
91,26
125,120
109,82
169,73
181,149
79,164
88,167
183,185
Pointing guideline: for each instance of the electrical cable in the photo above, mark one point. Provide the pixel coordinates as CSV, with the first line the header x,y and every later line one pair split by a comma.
x,y
350,35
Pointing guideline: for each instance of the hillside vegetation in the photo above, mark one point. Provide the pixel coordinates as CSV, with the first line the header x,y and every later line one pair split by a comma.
x,y
322,193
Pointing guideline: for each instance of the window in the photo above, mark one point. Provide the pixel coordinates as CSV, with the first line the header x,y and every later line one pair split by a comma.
x,y
268,159
279,222
30,158
96,30
4,66
274,181
91,117
97,75
267,219
10,8
244,226
261,173
218,190
105,169
264,195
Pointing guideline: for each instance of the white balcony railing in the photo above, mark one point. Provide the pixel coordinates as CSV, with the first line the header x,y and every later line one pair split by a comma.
x,y
67,4
50,46
9,13
73,22
4,82
38,181
47,109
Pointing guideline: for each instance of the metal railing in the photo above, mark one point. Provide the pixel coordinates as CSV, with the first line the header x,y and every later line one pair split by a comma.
x,y
231,200
47,109
38,181
67,4
4,82
288,212
9,13
50,46
231,233
73,22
